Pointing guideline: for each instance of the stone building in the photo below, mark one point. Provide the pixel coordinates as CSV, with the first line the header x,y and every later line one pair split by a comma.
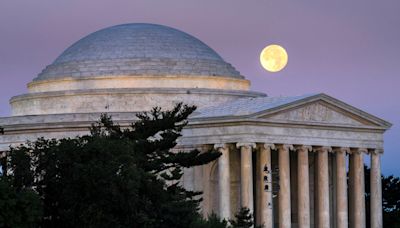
x,y
285,158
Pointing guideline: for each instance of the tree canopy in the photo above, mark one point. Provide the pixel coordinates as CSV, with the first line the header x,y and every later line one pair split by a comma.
x,y
390,199
243,219
113,177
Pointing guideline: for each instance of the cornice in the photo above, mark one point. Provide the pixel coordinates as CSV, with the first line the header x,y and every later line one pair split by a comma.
x,y
230,121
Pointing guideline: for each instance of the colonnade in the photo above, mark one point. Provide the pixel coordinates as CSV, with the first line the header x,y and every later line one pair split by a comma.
x,y
349,200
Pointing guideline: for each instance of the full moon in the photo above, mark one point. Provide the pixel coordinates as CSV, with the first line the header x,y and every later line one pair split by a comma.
x,y
273,58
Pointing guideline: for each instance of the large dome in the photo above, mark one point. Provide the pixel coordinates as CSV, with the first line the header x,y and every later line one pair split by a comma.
x,y
132,68
138,49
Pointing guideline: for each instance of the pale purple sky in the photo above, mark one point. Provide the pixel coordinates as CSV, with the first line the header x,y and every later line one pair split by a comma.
x,y
347,49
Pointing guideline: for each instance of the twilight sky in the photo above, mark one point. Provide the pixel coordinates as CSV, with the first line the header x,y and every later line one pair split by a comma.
x,y
347,49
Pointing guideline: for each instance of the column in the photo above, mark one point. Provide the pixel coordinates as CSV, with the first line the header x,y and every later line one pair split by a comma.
x,y
246,175
284,183
376,190
188,173
198,184
357,199
264,197
224,183
303,194
341,188
205,174
322,212
188,178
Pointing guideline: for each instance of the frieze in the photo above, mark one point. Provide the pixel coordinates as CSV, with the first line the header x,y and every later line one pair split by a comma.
x,y
316,113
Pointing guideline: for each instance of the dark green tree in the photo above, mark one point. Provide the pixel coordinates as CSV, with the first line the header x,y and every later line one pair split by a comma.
x,y
213,221
18,208
114,177
243,219
390,199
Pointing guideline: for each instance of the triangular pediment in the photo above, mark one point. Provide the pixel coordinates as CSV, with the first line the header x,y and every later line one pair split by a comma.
x,y
322,109
317,109
318,112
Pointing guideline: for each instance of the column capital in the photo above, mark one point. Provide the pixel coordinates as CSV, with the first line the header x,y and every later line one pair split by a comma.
x,y
268,146
376,151
221,146
358,150
303,148
285,147
322,149
340,150
245,144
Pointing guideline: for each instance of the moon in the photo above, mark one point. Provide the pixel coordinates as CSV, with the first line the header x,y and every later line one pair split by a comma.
x,y
273,58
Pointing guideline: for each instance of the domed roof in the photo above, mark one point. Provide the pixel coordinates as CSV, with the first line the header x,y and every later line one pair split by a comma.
x,y
138,49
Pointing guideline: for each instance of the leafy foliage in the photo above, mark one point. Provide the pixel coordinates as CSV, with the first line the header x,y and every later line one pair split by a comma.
x,y
243,219
213,221
391,192
390,199
114,177
18,208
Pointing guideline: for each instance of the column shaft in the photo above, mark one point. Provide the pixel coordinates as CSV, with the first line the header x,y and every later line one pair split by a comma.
x,y
206,172
224,182
341,189
188,179
264,197
358,189
284,191
376,191
246,176
303,196
323,188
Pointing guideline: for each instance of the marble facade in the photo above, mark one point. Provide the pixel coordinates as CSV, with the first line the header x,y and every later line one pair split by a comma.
x,y
285,158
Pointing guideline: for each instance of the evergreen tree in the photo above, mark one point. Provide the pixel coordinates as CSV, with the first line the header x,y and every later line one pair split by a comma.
x,y
213,221
243,219
18,208
114,177
390,199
